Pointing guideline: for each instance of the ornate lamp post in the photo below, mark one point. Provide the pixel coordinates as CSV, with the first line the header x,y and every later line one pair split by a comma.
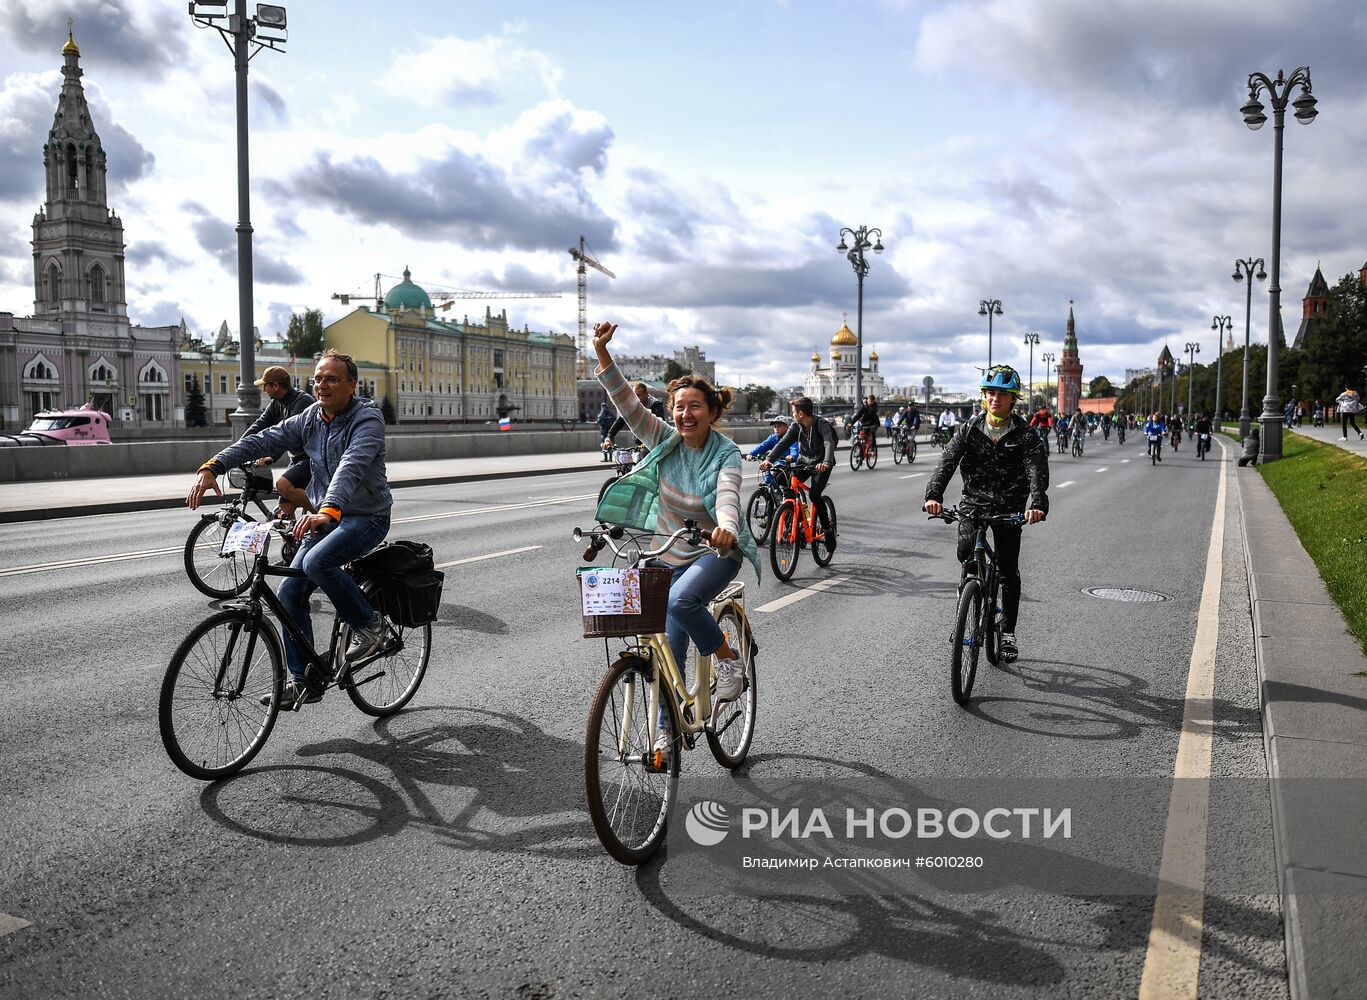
x,y
245,37
1192,349
1048,360
1222,325
989,308
1032,339
1278,92
1244,269
855,255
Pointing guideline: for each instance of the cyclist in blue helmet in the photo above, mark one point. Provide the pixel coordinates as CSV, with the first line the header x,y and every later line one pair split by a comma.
x,y
1005,470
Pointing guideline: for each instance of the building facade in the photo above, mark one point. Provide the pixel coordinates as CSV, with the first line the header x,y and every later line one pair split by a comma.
x,y
1069,369
836,381
652,366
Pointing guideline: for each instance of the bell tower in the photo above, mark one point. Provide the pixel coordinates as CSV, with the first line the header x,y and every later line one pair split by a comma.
x,y
1069,368
78,248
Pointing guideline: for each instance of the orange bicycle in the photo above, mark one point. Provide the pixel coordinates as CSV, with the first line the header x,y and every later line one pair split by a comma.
x,y
864,450
796,524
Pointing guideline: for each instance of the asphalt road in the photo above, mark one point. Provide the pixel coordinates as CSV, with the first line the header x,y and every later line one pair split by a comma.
x,y
447,852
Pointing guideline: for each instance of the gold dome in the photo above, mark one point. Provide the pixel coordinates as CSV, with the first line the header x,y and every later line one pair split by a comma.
x,y
70,48
844,337
815,356
873,355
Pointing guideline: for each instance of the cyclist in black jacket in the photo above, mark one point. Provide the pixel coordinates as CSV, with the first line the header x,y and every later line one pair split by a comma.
x,y
1005,470
655,406
815,437
867,417
286,401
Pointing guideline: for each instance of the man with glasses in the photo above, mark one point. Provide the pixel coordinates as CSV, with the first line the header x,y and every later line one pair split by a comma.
x,y
343,439
286,401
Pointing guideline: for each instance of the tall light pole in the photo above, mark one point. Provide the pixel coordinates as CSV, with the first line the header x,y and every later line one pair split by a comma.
x,y
855,255
989,308
1278,92
1193,349
1032,339
1048,360
1222,325
1244,269
245,36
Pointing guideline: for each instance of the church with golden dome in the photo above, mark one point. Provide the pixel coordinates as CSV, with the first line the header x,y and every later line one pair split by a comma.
x,y
835,381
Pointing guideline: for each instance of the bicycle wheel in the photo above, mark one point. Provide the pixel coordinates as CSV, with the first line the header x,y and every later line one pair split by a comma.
x,y
899,451
387,683
783,540
210,573
629,800
604,488
210,714
822,551
856,456
991,620
963,657
759,514
872,457
911,449
732,728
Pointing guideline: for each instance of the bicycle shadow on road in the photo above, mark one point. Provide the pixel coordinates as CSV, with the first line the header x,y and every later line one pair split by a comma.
x,y
460,778
469,619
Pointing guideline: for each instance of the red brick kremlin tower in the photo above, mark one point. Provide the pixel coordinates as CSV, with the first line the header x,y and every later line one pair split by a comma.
x,y
1069,369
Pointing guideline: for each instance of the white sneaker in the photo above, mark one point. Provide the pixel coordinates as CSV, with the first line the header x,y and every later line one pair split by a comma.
x,y
664,743
730,677
1344,438
365,642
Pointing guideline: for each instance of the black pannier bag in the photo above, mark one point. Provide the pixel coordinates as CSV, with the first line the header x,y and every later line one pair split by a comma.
x,y
408,588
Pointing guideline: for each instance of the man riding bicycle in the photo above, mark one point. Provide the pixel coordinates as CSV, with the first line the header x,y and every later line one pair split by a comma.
x,y
343,437
815,439
866,417
1005,468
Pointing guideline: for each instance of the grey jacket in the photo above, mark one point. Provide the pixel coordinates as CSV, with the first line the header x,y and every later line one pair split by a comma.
x,y
293,403
345,455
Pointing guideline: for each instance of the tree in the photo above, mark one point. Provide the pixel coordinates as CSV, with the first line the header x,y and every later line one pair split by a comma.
x,y
195,414
387,411
304,335
1336,348
761,397
674,370
1100,388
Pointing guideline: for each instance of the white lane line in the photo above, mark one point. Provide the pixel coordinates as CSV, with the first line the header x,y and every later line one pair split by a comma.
x,y
491,555
1173,960
9,924
1068,483
1123,461
805,592
914,475
1104,468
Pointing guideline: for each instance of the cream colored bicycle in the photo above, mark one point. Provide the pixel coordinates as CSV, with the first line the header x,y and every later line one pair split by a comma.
x,y
631,788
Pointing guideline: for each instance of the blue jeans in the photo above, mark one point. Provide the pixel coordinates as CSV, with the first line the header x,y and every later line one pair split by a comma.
x,y
691,590
322,557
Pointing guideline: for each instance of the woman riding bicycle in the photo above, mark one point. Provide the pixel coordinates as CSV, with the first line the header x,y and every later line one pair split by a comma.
x,y
693,472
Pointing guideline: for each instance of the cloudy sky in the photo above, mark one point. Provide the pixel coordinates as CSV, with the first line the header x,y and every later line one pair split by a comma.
x,y
1035,151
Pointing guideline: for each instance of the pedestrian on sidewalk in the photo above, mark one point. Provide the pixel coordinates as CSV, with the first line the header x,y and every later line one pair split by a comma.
x,y
606,415
1319,413
1349,406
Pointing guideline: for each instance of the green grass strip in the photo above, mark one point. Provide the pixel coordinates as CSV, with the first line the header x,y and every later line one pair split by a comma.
x,y
1323,491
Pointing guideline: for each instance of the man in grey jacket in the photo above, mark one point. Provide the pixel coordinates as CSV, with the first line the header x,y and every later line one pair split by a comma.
x,y
286,401
343,438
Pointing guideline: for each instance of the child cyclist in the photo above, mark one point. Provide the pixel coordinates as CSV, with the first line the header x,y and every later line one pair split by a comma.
x,y
1005,470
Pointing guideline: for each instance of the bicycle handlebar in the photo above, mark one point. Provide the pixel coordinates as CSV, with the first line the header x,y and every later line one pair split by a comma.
x,y
608,537
951,514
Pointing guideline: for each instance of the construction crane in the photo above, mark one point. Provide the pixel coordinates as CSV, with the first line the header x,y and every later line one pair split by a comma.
x,y
446,298
586,261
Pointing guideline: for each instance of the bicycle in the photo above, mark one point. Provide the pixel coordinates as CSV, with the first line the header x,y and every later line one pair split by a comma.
x,y
1176,438
864,449
903,445
978,616
624,460
941,435
629,786
796,524
1202,446
1120,433
1079,441
759,509
221,693
212,571
1155,448
1061,436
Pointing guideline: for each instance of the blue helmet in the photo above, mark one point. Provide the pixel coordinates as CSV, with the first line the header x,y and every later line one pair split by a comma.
x,y
1001,377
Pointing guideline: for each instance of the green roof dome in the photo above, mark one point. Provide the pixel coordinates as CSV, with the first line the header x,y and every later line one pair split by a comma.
x,y
406,295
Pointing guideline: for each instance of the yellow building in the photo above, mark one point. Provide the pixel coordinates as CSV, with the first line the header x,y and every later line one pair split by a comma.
x,y
438,370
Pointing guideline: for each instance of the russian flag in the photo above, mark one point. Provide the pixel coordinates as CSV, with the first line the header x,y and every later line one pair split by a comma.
x,y
505,423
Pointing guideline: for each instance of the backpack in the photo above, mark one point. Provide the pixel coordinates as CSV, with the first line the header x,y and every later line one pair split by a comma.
x,y
404,581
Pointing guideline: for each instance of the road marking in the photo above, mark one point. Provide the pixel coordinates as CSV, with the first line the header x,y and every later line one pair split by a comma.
x,y
1173,961
1104,468
1123,461
491,555
1068,483
8,924
802,594
914,475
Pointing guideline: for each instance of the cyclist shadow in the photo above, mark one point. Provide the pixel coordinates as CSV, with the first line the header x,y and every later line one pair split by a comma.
x,y
469,619
858,916
1101,703
864,580
467,761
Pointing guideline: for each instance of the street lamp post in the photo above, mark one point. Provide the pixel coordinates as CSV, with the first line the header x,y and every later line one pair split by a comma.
x,y
1193,349
1278,92
1048,360
855,255
1244,269
245,36
1032,339
989,308
1221,324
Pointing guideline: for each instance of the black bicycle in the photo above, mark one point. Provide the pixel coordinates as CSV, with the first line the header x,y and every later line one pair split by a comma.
x,y
764,501
1202,446
1120,433
222,575
222,690
1079,441
940,435
978,617
903,445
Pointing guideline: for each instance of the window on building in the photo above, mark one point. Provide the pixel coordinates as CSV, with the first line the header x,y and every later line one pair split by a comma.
x,y
189,381
73,170
153,404
498,359
97,285
54,284
223,385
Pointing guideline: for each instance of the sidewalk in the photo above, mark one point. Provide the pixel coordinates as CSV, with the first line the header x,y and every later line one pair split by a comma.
x,y
1314,708
1329,434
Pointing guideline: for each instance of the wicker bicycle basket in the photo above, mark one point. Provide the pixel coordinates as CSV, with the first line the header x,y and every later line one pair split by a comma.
x,y
654,605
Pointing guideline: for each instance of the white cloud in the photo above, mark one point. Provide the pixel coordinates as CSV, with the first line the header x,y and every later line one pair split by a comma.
x,y
459,72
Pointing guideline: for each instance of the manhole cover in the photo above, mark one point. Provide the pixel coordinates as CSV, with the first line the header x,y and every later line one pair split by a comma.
x,y
1124,594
